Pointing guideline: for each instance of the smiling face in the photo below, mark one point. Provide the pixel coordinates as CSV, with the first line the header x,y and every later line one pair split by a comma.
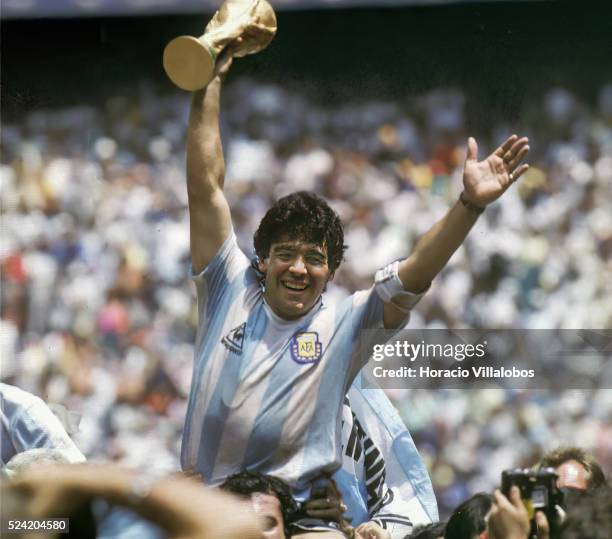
x,y
296,274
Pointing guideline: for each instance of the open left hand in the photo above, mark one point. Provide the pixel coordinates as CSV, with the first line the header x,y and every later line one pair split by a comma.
x,y
485,181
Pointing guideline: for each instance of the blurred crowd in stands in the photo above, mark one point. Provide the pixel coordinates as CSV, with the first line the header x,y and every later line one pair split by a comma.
x,y
98,311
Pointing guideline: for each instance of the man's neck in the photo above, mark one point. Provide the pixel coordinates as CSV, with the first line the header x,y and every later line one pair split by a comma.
x,y
283,318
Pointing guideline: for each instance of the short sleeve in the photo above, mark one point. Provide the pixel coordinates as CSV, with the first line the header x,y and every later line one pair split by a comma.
x,y
227,265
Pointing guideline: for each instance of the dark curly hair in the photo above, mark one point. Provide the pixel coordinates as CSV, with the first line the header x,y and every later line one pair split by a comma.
x,y
469,519
590,517
248,482
306,217
427,531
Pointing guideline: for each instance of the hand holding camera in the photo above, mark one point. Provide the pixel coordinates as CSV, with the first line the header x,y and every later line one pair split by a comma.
x,y
528,506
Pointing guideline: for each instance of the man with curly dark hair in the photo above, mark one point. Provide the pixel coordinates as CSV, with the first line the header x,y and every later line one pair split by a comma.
x,y
273,361
300,219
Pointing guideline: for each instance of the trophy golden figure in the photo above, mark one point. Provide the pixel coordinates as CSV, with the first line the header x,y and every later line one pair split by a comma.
x,y
248,25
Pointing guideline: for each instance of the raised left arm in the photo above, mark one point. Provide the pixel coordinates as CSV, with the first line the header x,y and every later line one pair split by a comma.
x,y
483,182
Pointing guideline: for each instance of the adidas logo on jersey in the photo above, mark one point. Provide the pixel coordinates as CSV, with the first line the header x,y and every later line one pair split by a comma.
x,y
234,340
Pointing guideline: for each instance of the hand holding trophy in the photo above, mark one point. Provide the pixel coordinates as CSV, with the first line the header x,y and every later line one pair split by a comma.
x,y
247,26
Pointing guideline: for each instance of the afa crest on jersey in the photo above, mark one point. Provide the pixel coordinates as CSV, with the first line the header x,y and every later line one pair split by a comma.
x,y
306,347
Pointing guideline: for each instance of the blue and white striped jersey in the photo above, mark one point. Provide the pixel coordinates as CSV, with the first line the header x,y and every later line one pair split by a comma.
x,y
267,393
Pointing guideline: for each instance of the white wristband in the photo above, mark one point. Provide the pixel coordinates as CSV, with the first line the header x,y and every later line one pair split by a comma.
x,y
390,289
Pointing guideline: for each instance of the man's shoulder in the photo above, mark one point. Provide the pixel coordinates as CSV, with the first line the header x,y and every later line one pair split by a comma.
x,y
337,312
228,261
339,295
244,289
343,303
228,283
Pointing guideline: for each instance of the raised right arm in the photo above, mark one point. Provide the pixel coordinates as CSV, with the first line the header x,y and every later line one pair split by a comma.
x,y
209,214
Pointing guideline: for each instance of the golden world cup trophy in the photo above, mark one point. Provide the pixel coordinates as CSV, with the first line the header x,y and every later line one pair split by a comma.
x,y
247,25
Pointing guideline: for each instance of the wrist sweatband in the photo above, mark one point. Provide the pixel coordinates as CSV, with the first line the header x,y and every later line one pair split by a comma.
x,y
390,289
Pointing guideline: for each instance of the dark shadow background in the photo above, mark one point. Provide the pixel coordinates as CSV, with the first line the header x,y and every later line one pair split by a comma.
x,y
501,54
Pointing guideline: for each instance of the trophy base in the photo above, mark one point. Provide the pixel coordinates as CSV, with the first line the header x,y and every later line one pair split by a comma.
x,y
188,63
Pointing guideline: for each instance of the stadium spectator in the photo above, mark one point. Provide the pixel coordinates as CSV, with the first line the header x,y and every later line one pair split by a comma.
x,y
576,468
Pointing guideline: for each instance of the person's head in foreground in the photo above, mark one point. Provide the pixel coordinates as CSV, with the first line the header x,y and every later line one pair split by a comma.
x,y
271,500
578,472
428,531
469,520
300,244
590,517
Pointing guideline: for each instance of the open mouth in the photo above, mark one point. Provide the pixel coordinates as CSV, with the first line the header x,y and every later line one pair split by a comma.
x,y
294,287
